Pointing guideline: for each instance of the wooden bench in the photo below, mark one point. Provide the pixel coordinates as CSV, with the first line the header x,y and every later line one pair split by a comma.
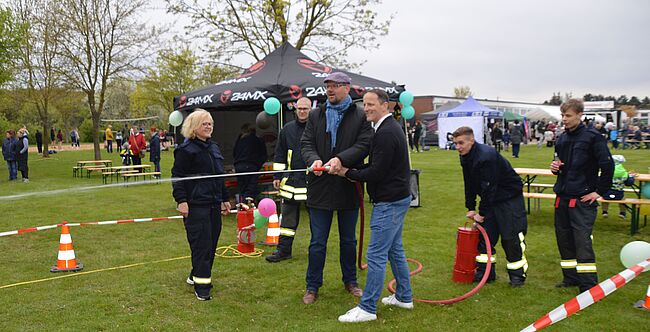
x,y
631,204
135,175
110,174
540,187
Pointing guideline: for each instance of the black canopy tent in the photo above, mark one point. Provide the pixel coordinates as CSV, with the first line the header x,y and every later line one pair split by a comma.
x,y
286,74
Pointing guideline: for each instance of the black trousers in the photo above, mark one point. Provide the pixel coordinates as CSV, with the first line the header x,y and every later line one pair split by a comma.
x,y
574,223
203,227
506,220
288,225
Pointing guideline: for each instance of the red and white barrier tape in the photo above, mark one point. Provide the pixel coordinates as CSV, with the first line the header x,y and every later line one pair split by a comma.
x,y
589,297
109,222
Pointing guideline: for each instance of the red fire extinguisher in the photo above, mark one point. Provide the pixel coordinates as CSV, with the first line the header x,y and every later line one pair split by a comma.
x,y
466,252
245,231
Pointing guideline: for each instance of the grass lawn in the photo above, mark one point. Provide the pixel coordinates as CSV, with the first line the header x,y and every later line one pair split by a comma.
x,y
253,295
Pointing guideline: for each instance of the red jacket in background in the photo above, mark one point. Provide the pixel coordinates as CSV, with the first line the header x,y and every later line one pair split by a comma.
x,y
137,143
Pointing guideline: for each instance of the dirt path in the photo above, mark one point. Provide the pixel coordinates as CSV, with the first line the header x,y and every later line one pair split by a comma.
x,y
67,147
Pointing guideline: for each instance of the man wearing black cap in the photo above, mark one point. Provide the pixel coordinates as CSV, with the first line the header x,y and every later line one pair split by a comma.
x,y
336,135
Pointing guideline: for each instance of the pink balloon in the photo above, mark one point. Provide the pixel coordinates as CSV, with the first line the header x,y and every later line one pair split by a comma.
x,y
267,207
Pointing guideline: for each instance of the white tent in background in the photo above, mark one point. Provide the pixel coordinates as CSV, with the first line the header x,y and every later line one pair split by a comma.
x,y
547,113
471,114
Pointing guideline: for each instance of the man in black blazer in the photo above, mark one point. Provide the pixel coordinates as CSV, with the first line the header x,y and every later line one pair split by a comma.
x,y
387,176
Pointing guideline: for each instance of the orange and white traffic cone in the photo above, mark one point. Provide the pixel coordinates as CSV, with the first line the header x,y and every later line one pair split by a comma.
x,y
644,304
66,260
273,231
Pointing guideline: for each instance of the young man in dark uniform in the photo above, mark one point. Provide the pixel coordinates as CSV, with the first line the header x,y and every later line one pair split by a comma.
x,y
581,153
501,210
292,186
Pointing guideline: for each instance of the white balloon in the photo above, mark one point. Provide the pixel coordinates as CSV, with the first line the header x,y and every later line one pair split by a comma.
x,y
175,118
634,253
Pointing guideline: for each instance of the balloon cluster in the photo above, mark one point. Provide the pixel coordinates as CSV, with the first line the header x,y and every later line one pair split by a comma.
x,y
406,98
265,209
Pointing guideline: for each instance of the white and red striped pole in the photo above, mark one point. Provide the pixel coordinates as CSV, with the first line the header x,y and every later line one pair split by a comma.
x,y
589,297
108,222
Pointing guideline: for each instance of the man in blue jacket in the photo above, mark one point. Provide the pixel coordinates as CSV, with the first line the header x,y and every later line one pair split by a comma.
x,y
387,175
501,210
8,146
584,169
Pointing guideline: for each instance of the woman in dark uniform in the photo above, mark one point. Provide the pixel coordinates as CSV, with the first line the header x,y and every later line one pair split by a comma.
x,y
200,201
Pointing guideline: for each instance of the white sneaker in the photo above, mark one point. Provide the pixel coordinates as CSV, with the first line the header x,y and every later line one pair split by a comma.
x,y
357,315
392,300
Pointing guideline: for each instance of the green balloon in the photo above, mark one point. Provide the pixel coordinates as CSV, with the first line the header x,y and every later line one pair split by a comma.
x,y
259,220
272,106
406,98
634,253
175,118
408,112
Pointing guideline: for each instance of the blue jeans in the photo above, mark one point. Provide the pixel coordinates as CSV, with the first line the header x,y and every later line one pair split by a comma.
x,y
12,165
386,224
320,224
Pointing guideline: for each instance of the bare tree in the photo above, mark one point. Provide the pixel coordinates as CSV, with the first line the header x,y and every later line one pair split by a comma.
x,y
328,28
104,41
39,59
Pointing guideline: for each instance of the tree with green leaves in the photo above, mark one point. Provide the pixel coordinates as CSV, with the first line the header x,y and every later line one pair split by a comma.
x,y
11,36
326,28
177,70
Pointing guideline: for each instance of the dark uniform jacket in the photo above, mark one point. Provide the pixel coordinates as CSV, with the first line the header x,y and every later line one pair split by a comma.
x,y
154,148
288,156
490,176
249,150
332,192
584,153
387,173
195,158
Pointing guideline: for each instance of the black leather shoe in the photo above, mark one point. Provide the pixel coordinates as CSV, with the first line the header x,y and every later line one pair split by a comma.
x,y
276,256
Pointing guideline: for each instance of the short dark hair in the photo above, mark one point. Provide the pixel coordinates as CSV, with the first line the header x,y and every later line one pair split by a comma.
x,y
464,130
573,104
381,94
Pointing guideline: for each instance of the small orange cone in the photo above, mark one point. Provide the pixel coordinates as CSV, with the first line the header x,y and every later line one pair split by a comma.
x,y
644,304
273,231
66,260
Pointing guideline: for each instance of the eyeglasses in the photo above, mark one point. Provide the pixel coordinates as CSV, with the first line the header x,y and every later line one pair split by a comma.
x,y
207,124
304,109
334,85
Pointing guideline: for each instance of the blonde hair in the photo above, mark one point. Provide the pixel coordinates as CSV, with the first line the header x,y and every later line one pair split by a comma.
x,y
21,132
193,122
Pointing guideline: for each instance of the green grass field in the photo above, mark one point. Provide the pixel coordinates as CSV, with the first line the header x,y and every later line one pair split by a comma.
x,y
253,295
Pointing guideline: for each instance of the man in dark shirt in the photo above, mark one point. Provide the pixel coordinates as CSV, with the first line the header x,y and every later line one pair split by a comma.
x,y
250,154
387,175
581,153
501,211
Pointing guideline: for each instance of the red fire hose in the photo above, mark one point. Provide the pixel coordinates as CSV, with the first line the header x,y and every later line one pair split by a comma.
x,y
391,284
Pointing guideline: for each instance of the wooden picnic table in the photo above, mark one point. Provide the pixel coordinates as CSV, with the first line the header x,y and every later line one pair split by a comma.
x,y
85,164
124,169
530,174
